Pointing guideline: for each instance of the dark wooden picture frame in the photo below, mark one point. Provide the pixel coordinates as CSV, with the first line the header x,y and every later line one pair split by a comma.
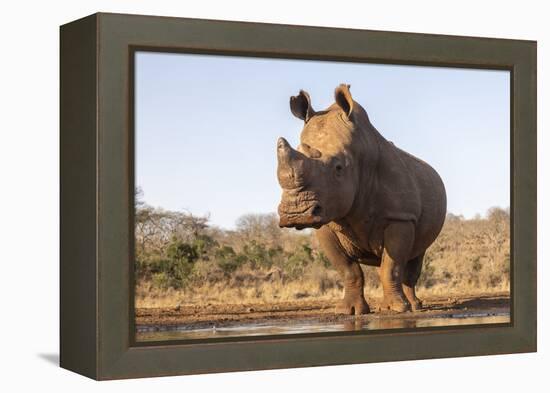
x,y
97,197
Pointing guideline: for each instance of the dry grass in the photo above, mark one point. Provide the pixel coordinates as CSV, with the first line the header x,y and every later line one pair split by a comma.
x,y
246,286
220,293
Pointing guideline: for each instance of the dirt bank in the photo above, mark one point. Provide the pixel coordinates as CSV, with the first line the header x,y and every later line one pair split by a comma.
x,y
209,315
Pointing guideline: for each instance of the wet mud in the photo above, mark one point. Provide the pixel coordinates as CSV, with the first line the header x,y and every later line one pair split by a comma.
x,y
310,316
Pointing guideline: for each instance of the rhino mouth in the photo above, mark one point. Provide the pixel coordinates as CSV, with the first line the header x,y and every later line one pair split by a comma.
x,y
300,217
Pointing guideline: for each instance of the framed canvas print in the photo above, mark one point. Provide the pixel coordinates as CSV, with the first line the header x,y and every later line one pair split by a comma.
x,y
241,196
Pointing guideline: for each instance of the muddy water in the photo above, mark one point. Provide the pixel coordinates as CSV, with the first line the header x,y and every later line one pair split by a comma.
x,y
315,326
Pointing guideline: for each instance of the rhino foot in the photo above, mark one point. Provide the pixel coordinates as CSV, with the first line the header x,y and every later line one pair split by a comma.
x,y
394,305
354,306
416,305
410,294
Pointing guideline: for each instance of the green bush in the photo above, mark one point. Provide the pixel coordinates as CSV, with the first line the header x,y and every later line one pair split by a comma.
x,y
204,245
180,251
257,255
296,262
170,270
228,260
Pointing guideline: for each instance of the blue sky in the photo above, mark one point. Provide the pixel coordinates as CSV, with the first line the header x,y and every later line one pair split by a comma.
x,y
206,127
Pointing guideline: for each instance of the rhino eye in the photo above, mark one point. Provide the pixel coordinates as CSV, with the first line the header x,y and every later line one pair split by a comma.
x,y
339,168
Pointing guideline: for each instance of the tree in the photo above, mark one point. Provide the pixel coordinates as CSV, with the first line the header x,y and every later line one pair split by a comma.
x,y
261,228
156,228
498,215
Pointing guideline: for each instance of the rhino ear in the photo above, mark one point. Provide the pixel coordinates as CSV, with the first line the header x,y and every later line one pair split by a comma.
x,y
343,98
300,106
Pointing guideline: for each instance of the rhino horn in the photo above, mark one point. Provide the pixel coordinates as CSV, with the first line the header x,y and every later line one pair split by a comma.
x,y
292,166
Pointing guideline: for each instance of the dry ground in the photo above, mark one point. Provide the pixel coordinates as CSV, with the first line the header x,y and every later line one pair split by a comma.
x,y
203,316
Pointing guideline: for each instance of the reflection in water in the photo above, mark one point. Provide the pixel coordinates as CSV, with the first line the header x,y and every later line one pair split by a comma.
x,y
353,324
297,327
393,324
378,324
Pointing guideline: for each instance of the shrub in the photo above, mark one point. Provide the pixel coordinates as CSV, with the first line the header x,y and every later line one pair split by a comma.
x,y
257,255
227,260
296,261
180,251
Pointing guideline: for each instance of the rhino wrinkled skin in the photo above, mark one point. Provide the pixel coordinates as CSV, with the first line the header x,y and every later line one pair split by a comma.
x,y
369,201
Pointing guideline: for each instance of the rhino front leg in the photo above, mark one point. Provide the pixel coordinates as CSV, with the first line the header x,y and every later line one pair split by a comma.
x,y
398,241
353,302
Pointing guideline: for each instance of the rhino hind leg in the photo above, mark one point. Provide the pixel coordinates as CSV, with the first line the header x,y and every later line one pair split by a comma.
x,y
412,274
398,240
353,302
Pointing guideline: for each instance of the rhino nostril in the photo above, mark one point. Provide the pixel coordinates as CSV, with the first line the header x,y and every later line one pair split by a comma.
x,y
317,210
